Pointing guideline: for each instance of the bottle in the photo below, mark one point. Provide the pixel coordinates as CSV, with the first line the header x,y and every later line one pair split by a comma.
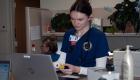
x,y
33,48
127,65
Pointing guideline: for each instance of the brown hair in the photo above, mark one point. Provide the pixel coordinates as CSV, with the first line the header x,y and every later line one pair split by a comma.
x,y
82,6
51,42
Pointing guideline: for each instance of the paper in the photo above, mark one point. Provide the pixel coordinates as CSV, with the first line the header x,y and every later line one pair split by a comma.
x,y
111,76
35,32
71,76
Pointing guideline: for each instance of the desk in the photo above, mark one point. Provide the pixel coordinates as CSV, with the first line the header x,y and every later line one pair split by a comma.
x,y
81,78
85,78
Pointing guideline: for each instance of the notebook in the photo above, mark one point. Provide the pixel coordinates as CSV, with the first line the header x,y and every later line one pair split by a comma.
x,y
33,67
4,70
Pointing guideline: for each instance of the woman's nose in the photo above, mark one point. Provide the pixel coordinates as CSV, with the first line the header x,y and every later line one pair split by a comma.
x,y
76,22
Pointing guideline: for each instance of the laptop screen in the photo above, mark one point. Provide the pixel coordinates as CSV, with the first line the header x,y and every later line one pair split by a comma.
x,y
4,70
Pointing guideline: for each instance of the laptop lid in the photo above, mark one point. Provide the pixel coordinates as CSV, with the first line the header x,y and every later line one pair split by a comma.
x,y
4,70
33,67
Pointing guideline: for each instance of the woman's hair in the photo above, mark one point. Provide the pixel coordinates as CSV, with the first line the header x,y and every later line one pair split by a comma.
x,y
51,42
82,6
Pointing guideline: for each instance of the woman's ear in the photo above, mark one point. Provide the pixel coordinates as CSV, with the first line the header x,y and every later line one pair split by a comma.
x,y
90,18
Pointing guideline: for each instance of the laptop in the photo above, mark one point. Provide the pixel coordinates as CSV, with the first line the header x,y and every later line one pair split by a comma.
x,y
33,67
4,70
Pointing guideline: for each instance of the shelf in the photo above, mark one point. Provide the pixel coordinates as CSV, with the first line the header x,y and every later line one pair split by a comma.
x,y
123,34
60,34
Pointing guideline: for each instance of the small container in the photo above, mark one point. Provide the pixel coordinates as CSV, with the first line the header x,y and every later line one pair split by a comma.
x,y
33,48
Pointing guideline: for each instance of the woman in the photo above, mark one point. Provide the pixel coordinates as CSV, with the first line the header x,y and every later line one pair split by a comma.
x,y
49,47
84,45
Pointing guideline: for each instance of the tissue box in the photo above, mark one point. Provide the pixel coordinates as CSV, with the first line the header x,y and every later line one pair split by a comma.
x,y
95,74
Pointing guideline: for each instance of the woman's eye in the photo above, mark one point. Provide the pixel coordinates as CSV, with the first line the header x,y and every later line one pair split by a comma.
x,y
80,19
72,19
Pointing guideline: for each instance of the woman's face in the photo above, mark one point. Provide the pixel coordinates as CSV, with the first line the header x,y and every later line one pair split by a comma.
x,y
79,20
44,48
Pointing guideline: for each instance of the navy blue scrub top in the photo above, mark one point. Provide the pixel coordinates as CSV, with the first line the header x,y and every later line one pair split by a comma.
x,y
54,56
77,55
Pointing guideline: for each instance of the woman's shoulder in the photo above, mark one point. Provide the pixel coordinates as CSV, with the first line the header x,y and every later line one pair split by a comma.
x,y
55,57
95,31
56,54
70,31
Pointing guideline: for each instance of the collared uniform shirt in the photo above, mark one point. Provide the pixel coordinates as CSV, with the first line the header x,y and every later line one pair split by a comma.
x,y
76,52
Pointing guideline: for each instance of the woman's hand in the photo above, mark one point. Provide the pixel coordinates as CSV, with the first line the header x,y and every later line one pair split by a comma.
x,y
67,71
70,69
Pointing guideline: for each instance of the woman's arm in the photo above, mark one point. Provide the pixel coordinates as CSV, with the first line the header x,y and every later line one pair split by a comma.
x,y
60,61
100,62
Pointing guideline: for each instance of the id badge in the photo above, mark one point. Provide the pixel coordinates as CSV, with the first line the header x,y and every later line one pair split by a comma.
x,y
73,39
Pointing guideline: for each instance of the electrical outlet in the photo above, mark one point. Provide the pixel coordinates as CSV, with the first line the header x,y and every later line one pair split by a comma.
x,y
3,28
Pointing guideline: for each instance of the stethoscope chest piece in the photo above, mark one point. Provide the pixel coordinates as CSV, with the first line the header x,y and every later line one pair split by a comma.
x,y
87,46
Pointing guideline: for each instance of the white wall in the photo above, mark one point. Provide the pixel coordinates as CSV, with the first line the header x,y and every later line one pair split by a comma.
x,y
56,4
65,4
104,3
